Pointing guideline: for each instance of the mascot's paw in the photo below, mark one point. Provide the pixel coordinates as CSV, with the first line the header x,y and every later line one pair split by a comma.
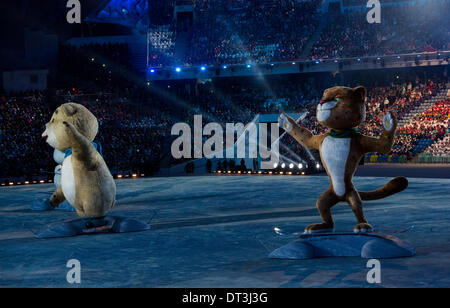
x,y
389,121
91,223
41,205
362,228
316,228
284,123
65,206
55,200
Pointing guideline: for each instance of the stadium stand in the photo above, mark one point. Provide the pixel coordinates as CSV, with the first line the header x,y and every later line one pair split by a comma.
x,y
238,32
406,28
259,31
161,45
135,123
135,117
437,152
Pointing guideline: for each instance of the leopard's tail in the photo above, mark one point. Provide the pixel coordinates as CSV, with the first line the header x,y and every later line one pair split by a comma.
x,y
392,187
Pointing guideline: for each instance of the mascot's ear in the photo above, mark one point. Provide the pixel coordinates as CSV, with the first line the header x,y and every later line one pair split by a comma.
x,y
361,91
70,109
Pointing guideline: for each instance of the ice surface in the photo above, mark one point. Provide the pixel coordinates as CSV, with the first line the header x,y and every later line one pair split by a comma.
x,y
218,230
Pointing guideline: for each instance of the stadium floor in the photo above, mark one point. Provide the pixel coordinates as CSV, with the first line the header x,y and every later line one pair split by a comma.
x,y
216,231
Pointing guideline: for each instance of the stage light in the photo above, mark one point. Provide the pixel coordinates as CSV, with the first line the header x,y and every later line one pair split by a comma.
x,y
229,171
290,172
378,58
358,59
239,172
283,165
300,166
142,174
42,181
26,182
134,175
248,66
178,70
92,59
270,172
291,165
275,165
202,68
398,57
219,171
104,65
318,166
259,172
19,183
335,61
11,183
271,64
152,70
317,61
224,67
119,176
303,172
293,63
148,83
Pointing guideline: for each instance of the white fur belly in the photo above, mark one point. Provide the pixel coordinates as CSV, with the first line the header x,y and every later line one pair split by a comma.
x,y
68,180
334,154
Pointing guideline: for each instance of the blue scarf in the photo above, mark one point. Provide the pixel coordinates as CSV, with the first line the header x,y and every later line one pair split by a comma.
x,y
98,147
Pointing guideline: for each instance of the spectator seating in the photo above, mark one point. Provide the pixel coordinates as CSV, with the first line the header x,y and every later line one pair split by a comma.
x,y
237,32
161,45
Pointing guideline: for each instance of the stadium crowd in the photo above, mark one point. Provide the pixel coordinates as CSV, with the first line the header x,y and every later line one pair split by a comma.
x,y
440,148
238,32
131,136
410,27
432,125
135,123
135,118
424,129
22,119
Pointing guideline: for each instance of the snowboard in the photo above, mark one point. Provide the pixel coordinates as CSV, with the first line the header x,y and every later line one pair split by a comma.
x,y
82,226
371,245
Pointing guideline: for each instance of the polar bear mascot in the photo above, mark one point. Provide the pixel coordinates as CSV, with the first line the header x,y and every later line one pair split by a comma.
x,y
85,180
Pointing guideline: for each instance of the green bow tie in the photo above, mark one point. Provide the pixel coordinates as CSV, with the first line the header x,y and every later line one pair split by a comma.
x,y
346,133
